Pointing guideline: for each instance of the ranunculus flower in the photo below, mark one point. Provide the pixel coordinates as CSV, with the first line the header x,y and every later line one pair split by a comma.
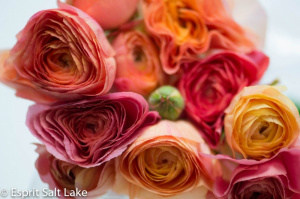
x,y
67,177
108,13
63,54
209,85
92,131
260,121
10,77
164,160
277,178
186,28
138,66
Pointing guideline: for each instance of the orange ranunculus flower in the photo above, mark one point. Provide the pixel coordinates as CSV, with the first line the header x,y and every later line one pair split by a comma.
x,y
68,177
260,121
138,66
165,161
185,28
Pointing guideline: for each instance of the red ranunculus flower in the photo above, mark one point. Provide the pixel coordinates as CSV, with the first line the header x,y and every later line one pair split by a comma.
x,y
209,85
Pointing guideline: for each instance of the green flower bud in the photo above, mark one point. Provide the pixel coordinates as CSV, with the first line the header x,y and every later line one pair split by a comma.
x,y
167,101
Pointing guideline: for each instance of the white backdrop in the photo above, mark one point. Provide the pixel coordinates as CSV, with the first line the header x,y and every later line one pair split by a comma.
x,y
17,154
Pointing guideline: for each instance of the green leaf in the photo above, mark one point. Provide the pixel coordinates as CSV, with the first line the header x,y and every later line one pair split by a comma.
x,y
298,107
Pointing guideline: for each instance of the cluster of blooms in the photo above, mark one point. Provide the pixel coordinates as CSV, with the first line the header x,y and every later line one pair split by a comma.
x,y
211,133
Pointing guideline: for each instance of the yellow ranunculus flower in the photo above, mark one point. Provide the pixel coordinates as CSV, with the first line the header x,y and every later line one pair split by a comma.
x,y
260,121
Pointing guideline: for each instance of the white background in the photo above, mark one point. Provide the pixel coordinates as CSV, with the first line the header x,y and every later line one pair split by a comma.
x,y
17,154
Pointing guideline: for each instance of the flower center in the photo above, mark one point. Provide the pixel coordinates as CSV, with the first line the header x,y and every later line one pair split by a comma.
x,y
139,58
263,127
183,20
65,61
162,164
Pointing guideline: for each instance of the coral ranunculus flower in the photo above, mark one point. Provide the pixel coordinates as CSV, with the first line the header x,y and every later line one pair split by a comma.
x,y
165,160
92,131
209,85
108,13
186,28
260,121
10,77
63,54
138,66
68,177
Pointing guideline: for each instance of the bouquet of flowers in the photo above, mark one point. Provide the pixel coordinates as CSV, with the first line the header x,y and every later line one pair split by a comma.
x,y
154,99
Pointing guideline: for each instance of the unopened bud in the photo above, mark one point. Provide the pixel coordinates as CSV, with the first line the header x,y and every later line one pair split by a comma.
x,y
167,101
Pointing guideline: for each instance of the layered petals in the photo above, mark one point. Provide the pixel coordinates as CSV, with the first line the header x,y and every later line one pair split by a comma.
x,y
68,177
270,178
260,121
185,28
164,161
10,77
63,54
138,66
209,85
92,131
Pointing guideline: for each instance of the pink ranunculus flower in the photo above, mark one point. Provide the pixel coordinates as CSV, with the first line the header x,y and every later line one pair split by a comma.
x,y
67,177
61,53
275,178
108,13
91,131
209,85
138,65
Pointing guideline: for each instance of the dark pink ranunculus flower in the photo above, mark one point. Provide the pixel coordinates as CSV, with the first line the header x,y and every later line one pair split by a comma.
x,y
92,131
276,178
209,85
61,54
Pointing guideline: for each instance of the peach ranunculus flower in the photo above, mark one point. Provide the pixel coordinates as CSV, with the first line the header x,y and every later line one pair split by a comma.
x,y
260,121
62,54
165,161
108,13
138,66
68,177
185,28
